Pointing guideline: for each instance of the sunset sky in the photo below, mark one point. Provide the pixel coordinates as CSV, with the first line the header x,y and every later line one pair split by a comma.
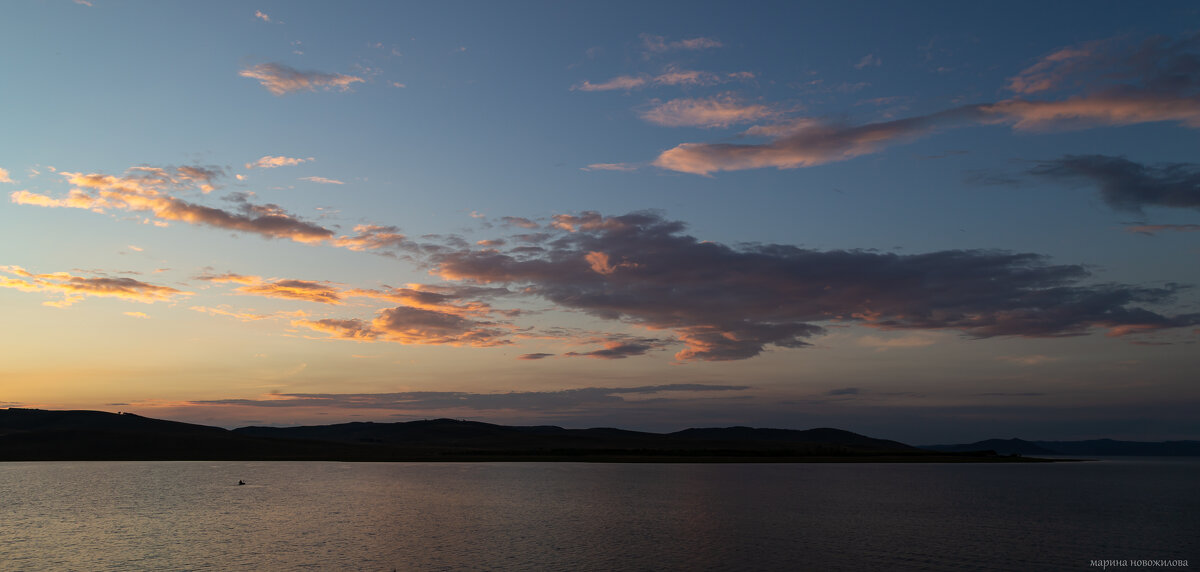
x,y
931,222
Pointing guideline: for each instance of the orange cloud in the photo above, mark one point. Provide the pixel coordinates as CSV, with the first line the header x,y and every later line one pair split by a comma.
x,y
309,290
4,177
230,277
280,79
270,162
372,237
356,330
443,299
600,263
75,288
146,190
412,326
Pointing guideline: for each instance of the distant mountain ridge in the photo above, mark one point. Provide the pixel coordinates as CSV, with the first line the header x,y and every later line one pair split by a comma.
x,y
1099,447
33,434
450,432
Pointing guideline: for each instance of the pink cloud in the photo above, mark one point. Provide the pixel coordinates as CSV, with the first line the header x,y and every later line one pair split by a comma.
x,y
720,111
280,79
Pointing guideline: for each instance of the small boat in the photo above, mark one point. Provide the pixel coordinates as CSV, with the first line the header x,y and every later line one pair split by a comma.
x,y
241,482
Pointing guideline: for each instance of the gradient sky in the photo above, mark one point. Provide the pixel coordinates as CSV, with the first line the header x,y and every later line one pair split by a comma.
x,y
932,222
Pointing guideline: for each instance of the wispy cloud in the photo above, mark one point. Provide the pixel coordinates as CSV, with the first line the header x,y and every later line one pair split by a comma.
x,y
659,44
74,288
1155,80
521,222
1036,359
322,180
4,177
456,300
373,237
806,143
280,79
622,167
148,190
262,16
307,290
1158,80
247,315
1152,229
536,356
718,111
912,340
670,77
270,162
413,326
868,61
624,82
620,349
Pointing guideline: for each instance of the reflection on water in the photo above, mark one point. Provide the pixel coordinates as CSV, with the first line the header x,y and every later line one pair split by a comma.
x,y
543,516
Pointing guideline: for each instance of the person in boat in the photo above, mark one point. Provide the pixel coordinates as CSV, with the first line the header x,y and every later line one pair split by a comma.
x,y
241,482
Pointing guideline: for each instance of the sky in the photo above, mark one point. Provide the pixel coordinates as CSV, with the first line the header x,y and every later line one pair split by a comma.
x,y
935,222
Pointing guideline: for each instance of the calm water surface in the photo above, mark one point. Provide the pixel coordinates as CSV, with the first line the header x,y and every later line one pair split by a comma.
x,y
577,516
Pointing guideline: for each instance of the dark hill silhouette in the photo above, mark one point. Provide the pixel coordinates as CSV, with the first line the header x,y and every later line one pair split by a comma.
x,y
1099,447
32,434
1132,448
486,436
17,420
823,436
1000,446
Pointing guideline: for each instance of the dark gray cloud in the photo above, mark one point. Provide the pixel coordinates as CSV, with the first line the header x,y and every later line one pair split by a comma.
x,y
534,356
727,303
616,351
1126,185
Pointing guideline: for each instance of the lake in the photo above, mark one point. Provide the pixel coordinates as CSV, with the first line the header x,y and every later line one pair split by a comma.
x,y
581,516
